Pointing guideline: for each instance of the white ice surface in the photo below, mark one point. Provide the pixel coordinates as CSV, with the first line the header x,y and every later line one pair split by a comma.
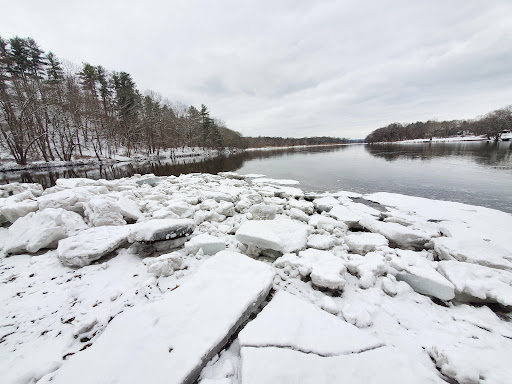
x,y
363,243
170,340
290,322
477,283
101,211
473,251
91,244
285,366
42,229
208,243
324,269
279,235
263,212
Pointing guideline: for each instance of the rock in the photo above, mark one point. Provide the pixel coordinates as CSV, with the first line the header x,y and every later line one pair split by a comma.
x,y
363,243
473,251
209,244
90,245
263,212
279,235
42,229
160,229
179,334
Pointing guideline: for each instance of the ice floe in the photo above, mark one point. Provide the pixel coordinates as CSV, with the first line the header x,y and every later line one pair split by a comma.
x,y
152,277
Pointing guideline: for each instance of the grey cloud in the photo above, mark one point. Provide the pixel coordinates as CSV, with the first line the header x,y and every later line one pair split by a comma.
x,y
293,68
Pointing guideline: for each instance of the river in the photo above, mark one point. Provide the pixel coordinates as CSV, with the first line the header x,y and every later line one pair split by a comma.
x,y
478,173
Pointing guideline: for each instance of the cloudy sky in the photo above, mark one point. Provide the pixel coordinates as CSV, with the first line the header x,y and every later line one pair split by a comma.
x,y
291,67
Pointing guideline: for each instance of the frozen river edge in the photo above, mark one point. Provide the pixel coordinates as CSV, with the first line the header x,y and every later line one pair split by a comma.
x,y
121,280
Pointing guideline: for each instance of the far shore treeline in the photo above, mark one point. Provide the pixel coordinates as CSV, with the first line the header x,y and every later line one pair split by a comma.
x,y
50,111
491,125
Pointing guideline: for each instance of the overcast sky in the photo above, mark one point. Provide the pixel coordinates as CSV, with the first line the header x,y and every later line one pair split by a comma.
x,y
291,68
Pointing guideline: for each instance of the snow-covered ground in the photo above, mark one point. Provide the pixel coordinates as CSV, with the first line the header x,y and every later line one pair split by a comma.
x,y
446,139
240,279
89,158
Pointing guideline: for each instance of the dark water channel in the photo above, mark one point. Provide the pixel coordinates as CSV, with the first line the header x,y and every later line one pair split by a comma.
x,y
477,173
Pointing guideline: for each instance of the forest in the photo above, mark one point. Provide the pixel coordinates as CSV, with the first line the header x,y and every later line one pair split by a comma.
x,y
490,125
50,112
55,112
265,141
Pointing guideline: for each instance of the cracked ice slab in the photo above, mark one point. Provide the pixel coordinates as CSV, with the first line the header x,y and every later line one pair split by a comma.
x,y
473,251
290,322
379,366
90,245
293,341
279,235
170,340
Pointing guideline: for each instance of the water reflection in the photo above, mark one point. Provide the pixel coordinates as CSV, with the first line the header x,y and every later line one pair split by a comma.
x,y
486,153
477,173
47,178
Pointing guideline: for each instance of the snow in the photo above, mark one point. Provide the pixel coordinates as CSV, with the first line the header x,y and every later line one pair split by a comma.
x,y
321,242
170,340
160,229
91,244
53,314
164,265
42,229
290,322
368,268
210,245
129,208
279,235
325,204
263,212
100,211
419,272
303,205
363,243
473,251
380,366
324,269
12,212
476,283
407,237
342,213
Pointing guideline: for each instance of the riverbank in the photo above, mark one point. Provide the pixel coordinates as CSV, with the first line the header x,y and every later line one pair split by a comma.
x,y
128,270
89,160
443,139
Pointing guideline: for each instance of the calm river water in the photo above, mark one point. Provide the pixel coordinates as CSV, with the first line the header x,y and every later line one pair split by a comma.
x,y
478,173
